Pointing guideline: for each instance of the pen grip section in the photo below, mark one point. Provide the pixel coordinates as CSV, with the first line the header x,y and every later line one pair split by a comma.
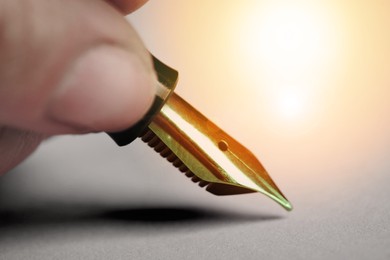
x,y
166,83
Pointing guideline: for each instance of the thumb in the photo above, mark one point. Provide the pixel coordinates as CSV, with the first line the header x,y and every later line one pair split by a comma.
x,y
71,67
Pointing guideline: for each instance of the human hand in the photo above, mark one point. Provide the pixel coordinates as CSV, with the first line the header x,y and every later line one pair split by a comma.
x,y
68,67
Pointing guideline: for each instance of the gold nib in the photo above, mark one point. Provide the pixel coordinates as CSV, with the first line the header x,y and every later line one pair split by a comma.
x,y
198,147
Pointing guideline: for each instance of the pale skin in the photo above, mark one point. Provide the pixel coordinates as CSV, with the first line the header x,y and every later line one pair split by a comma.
x,y
68,67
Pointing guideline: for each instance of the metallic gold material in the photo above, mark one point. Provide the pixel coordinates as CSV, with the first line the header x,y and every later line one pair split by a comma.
x,y
207,154
197,146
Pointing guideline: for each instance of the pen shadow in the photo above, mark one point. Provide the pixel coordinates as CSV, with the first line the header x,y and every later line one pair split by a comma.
x,y
166,215
59,214
72,215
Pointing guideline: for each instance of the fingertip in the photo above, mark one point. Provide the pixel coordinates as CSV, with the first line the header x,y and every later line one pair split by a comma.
x,y
126,6
107,89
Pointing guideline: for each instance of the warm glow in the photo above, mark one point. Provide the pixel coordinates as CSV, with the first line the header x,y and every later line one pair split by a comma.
x,y
287,49
290,39
291,104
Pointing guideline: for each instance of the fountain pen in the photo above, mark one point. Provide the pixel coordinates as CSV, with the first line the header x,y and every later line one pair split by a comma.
x,y
196,146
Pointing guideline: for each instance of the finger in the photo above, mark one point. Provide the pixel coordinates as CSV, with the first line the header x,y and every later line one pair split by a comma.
x,y
15,146
127,6
71,67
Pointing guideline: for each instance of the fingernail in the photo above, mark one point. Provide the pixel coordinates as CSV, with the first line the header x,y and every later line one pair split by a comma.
x,y
106,89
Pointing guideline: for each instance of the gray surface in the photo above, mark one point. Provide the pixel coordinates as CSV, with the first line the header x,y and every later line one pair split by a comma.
x,y
84,198
57,206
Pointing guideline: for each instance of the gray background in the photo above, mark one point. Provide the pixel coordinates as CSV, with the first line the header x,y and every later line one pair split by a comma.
x,y
81,197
